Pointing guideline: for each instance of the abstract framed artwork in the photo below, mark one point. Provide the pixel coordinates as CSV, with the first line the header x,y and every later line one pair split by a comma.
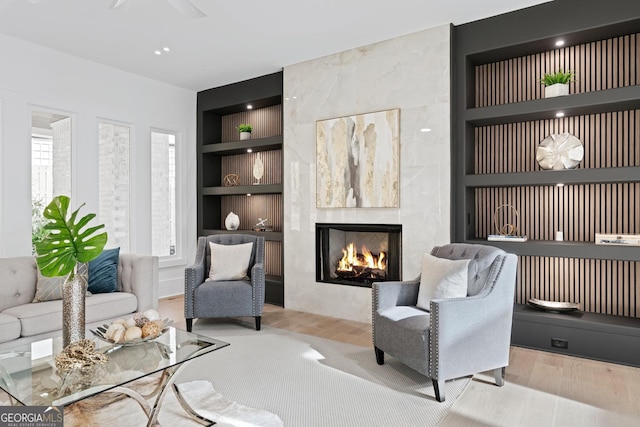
x,y
358,161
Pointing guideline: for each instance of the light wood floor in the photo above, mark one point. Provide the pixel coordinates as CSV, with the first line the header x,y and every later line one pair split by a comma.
x,y
541,389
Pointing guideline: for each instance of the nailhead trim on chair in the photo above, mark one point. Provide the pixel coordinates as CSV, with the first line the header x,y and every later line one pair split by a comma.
x,y
433,341
373,314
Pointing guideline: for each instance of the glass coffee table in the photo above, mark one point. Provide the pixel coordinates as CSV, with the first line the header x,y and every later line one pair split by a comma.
x,y
29,376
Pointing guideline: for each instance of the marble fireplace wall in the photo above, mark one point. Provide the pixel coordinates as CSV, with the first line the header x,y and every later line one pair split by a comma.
x,y
411,73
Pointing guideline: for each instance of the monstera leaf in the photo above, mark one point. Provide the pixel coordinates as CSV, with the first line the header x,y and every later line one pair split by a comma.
x,y
66,243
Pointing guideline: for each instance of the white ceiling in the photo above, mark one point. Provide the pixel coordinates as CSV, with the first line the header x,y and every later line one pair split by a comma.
x,y
237,40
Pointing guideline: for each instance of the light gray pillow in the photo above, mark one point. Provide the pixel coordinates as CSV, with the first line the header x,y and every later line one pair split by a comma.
x,y
442,278
50,288
229,262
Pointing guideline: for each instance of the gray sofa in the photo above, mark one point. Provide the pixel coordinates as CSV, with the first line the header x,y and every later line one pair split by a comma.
x,y
23,321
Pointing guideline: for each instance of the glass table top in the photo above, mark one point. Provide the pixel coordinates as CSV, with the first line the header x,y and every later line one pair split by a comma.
x,y
29,375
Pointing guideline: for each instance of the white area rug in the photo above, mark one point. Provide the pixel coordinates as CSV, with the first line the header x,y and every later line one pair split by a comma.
x,y
105,410
309,381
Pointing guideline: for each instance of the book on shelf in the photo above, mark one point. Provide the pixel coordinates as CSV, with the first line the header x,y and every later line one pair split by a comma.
x,y
503,238
618,239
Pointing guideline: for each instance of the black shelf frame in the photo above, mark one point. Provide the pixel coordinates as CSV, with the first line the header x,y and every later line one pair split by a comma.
x,y
241,147
575,176
602,101
565,249
242,189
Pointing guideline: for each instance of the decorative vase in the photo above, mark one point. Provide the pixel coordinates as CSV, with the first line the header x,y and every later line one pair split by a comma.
x,y
74,290
245,135
558,89
232,222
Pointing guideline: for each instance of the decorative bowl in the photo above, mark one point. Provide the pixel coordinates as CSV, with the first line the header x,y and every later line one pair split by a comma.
x,y
553,305
101,330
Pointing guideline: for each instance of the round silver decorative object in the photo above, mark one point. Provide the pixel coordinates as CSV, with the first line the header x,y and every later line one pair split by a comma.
x,y
559,151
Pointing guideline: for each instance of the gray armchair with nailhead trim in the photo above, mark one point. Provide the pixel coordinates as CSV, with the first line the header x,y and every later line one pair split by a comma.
x,y
233,298
458,336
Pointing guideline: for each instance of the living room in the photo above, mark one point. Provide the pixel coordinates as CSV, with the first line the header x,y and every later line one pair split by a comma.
x,y
412,71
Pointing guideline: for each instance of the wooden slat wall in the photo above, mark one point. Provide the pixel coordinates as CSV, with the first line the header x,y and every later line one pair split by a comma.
x,y
610,140
242,165
265,121
579,211
604,64
250,208
273,258
600,286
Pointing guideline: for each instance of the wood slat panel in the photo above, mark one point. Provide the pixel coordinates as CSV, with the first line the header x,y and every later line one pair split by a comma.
x,y
609,139
265,121
250,208
242,165
579,211
599,65
273,256
600,286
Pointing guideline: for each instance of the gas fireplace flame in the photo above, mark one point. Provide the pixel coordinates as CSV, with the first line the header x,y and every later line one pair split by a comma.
x,y
351,259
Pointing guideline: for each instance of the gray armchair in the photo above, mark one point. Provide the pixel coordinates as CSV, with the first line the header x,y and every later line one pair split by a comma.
x,y
233,298
458,336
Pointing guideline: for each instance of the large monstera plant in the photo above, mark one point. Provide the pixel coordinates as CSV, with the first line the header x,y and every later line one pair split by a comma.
x,y
66,243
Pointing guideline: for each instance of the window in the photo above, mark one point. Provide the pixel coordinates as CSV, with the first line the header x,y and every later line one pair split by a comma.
x,y
163,194
114,185
50,164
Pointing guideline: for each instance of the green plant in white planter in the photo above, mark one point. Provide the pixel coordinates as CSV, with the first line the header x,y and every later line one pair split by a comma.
x,y
245,131
557,84
66,245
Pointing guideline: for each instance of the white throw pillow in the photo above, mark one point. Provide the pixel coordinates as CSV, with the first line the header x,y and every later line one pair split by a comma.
x,y
442,278
229,262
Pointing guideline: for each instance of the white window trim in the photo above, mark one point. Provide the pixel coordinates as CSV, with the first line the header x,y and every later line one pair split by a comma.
x,y
179,258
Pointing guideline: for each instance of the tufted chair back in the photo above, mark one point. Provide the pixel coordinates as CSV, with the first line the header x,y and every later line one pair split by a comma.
x,y
482,258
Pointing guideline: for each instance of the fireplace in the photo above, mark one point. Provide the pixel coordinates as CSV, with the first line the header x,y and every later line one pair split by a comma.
x,y
358,254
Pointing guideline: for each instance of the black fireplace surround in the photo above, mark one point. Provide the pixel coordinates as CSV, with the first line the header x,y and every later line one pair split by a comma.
x,y
332,239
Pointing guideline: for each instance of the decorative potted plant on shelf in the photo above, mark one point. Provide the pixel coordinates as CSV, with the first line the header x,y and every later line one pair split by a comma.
x,y
245,131
556,84
62,252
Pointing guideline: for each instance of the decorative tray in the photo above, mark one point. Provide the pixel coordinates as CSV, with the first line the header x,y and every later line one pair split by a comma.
x,y
101,330
553,305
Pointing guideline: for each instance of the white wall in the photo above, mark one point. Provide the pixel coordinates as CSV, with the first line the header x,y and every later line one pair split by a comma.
x,y
35,76
411,73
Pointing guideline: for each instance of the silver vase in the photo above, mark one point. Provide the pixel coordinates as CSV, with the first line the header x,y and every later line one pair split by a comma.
x,y
74,290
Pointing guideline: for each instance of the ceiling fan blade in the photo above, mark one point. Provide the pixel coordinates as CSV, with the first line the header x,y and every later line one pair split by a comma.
x,y
187,8
117,3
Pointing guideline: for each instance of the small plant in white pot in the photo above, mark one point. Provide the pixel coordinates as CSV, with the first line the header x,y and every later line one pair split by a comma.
x,y
245,131
556,84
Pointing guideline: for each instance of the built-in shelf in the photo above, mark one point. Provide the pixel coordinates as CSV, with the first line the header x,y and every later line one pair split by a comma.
x,y
601,101
574,176
273,236
552,248
596,336
496,65
242,189
256,101
240,147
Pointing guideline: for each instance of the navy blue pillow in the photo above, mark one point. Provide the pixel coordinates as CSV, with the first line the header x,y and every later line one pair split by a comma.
x,y
103,272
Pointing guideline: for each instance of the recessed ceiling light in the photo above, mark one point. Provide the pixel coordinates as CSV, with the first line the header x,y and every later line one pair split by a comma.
x,y
249,106
166,49
560,184
249,150
559,114
425,130
560,43
157,52
248,194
